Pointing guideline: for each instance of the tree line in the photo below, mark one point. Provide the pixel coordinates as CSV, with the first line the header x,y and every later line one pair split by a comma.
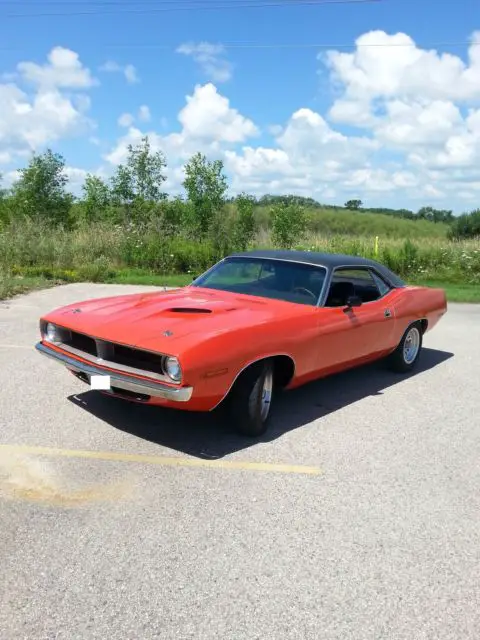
x,y
135,195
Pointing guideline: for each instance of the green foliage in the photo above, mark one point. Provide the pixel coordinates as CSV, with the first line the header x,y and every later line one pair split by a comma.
x,y
288,224
137,185
353,204
364,223
205,186
466,226
435,215
245,224
96,198
40,192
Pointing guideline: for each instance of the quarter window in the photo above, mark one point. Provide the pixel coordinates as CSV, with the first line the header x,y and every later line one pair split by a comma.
x,y
353,282
383,287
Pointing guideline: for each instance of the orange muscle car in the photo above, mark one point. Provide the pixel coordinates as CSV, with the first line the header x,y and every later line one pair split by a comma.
x,y
255,323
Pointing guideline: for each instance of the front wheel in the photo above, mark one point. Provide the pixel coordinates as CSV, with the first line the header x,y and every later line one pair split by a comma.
x,y
406,355
251,399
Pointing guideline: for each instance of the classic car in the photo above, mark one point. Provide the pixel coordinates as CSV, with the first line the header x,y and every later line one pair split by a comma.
x,y
255,323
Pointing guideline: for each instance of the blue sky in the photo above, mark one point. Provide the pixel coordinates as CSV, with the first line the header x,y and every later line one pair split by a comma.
x,y
283,118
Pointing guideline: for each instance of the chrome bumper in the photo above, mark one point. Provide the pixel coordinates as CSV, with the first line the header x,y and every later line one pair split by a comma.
x,y
155,389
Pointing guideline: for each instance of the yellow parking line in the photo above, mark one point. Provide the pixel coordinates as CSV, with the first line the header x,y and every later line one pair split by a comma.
x,y
160,460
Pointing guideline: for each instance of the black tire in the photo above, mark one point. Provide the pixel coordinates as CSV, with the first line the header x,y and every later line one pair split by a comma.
x,y
400,360
249,411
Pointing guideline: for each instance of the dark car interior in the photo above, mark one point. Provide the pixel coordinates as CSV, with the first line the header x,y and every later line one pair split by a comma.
x,y
355,282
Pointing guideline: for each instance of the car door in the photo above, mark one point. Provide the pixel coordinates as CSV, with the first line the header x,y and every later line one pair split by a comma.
x,y
351,334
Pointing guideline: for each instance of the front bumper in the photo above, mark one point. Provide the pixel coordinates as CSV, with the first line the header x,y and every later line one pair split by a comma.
x,y
119,380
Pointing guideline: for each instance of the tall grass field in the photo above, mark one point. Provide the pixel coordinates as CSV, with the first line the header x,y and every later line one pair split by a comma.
x,y
34,255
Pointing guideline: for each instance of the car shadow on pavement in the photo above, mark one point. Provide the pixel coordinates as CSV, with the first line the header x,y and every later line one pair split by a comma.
x,y
209,436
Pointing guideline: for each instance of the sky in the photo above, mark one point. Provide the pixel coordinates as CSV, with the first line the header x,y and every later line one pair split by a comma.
x,y
377,100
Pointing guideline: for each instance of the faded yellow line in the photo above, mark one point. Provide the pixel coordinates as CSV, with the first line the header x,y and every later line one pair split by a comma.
x,y
160,460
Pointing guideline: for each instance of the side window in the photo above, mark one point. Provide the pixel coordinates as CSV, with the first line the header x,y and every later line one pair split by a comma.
x,y
352,282
383,287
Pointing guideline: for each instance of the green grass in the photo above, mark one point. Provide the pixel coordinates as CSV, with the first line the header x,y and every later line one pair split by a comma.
x,y
455,292
330,222
137,276
14,285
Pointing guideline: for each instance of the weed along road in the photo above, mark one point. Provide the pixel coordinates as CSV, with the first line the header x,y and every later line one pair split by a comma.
x,y
355,517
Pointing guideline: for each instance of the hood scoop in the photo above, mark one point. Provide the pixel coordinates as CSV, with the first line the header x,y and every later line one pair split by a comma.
x,y
188,310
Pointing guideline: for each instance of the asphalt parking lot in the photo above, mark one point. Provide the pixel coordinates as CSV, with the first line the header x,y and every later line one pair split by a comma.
x,y
356,517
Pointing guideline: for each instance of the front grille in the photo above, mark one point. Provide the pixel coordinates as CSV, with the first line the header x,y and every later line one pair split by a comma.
x,y
137,358
83,343
117,354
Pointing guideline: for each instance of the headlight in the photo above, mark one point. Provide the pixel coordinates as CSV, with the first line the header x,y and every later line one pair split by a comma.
x,y
51,333
172,368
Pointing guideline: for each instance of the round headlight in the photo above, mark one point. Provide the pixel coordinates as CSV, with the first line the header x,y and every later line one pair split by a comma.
x,y
51,332
173,369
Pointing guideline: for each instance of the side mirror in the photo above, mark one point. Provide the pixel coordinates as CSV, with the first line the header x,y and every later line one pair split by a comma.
x,y
353,301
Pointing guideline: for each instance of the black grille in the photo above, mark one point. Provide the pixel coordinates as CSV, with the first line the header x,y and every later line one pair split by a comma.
x,y
138,359
126,356
83,343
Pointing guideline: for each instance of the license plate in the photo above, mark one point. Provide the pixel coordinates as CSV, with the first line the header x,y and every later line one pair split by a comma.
x,y
100,383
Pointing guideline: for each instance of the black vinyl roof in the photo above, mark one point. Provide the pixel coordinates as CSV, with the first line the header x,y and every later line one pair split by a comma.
x,y
327,260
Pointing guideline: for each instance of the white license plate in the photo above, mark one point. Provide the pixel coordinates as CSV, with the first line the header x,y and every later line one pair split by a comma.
x,y
100,383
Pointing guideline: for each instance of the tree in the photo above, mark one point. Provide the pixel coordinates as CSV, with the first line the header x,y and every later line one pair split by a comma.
x,y
288,224
40,192
353,204
245,222
96,197
206,186
137,185
147,171
466,226
3,203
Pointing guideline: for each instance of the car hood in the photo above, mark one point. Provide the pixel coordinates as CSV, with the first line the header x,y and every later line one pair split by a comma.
x,y
155,320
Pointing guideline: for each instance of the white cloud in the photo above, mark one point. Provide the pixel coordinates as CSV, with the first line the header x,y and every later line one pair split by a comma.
x,y
208,115
410,124
389,66
210,58
411,100
5,157
144,113
33,121
63,70
126,120
129,71
209,124
40,115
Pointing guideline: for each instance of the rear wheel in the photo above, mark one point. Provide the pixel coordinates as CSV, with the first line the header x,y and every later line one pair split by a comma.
x,y
251,399
406,355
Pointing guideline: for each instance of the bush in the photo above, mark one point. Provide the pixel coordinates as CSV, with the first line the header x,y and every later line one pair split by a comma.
x,y
288,224
466,226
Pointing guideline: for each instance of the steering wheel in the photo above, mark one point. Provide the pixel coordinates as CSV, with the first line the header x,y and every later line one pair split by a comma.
x,y
305,290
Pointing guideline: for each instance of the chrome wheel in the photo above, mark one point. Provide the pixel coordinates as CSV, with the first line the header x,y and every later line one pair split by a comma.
x,y
411,345
265,397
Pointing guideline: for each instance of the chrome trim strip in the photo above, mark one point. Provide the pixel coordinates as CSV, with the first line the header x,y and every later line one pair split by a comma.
x,y
155,389
113,365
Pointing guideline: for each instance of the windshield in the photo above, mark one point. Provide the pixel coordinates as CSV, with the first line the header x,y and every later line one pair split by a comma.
x,y
282,280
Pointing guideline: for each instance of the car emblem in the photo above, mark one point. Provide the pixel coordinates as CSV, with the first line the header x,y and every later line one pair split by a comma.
x,y
168,333
77,311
